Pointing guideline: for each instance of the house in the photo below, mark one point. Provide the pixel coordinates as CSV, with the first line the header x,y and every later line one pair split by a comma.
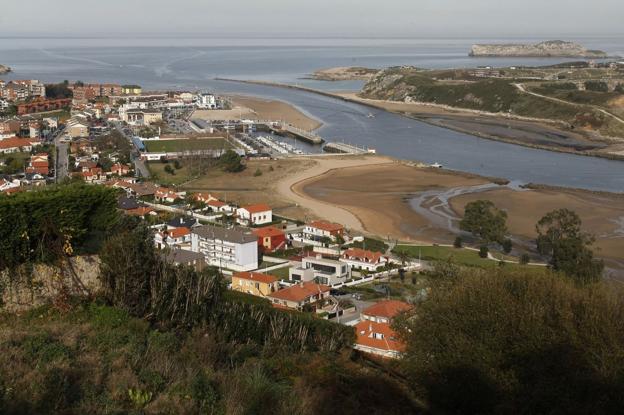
x,y
141,211
39,164
167,195
324,270
260,214
255,283
234,248
317,232
131,90
374,334
219,206
299,295
7,186
183,222
77,129
363,259
172,237
15,145
270,238
119,169
177,256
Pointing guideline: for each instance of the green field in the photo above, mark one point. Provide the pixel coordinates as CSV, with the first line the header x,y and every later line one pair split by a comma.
x,y
460,256
171,146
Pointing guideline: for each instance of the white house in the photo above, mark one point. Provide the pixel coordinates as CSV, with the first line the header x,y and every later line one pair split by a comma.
x,y
235,248
206,101
166,195
362,259
178,237
325,271
316,232
254,215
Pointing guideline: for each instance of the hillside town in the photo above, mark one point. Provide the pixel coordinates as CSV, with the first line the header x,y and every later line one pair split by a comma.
x,y
107,134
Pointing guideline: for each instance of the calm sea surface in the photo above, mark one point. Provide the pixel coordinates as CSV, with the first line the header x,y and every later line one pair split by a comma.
x,y
193,63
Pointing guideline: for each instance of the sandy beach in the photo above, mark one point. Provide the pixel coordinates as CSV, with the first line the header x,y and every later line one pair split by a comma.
x,y
252,108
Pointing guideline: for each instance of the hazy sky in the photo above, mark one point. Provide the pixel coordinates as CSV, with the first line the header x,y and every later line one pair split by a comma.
x,y
525,18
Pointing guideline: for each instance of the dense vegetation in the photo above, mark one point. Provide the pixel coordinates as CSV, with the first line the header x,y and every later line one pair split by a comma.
x,y
505,342
58,91
44,225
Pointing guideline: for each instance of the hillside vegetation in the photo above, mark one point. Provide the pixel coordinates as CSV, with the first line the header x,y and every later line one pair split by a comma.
x,y
457,88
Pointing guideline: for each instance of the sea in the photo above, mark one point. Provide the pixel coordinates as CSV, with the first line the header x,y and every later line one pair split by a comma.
x,y
194,63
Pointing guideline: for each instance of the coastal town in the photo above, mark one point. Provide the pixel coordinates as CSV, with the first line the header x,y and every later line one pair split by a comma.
x,y
285,208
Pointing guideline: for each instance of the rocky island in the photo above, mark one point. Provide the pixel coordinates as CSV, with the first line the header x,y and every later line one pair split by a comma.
x,y
4,69
551,48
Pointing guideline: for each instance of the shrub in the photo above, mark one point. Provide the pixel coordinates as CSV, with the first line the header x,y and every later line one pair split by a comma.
x,y
507,246
524,259
483,251
458,242
257,173
597,86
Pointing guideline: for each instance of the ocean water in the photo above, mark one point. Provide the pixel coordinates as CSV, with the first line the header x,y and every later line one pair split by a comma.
x,y
194,63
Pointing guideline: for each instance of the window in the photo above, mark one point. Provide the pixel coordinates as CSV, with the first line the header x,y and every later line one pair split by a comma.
x,y
295,277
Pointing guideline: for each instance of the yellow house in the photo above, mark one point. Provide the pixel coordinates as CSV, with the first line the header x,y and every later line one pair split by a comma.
x,y
131,90
255,283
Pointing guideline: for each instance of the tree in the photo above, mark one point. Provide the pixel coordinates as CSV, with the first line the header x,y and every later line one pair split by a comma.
x,y
458,242
507,246
169,169
485,221
404,256
524,259
231,162
561,239
483,251
472,347
177,165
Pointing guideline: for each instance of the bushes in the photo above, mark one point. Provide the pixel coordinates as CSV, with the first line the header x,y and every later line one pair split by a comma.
x,y
506,342
45,225
597,86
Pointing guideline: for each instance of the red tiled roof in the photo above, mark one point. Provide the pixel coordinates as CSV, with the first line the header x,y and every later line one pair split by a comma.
x,y
13,142
257,208
326,226
215,203
365,330
387,308
300,292
140,211
256,276
267,232
178,232
362,255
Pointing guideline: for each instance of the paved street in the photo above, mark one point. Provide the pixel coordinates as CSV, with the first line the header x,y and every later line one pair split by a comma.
x,y
62,157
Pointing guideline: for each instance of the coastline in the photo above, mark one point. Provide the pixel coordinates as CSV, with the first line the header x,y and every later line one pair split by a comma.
x,y
429,111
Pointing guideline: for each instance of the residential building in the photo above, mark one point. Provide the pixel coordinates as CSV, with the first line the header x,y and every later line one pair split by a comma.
x,y
363,259
42,105
131,90
77,129
173,237
235,248
299,295
260,214
183,222
177,256
255,283
15,145
146,116
206,101
374,334
270,238
119,169
318,232
323,270
167,195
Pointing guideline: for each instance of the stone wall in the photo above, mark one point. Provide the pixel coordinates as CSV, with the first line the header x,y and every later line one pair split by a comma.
x,y
21,290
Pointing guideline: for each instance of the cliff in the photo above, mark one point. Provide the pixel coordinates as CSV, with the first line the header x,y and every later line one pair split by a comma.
x,y
552,48
4,69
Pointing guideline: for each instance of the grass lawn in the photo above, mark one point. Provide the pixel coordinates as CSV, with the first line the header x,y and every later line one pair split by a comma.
x,y
157,170
461,256
158,146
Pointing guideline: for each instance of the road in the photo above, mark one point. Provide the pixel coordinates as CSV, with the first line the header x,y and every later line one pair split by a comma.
x,y
522,89
139,165
61,167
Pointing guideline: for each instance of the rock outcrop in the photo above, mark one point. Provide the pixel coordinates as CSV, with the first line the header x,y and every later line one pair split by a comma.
x,y
4,69
551,48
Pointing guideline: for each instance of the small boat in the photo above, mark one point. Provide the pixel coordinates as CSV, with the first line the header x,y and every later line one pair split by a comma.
x,y
436,165
371,115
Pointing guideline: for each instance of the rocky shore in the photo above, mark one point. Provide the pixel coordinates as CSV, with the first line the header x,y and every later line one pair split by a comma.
x,y
4,69
344,74
551,48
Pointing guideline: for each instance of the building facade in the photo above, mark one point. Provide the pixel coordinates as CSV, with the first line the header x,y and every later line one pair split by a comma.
x,y
235,249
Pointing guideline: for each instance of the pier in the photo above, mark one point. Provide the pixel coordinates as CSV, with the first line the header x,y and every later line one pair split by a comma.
x,y
299,134
345,148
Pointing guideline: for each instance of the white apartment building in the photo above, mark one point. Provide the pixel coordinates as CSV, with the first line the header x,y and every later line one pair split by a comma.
x,y
322,270
235,249
206,101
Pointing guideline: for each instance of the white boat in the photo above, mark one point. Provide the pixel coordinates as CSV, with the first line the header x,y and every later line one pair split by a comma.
x,y
436,165
371,115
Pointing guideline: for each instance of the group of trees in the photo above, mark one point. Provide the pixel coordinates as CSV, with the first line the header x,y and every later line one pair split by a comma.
x,y
58,91
503,341
560,238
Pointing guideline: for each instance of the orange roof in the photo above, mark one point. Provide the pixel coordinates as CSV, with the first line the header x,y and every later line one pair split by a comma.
x,y
202,197
257,208
256,276
365,331
362,255
215,203
140,211
39,164
387,308
178,232
267,232
326,226
12,142
300,292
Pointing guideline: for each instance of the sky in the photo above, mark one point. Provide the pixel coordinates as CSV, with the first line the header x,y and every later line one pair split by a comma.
x,y
315,18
